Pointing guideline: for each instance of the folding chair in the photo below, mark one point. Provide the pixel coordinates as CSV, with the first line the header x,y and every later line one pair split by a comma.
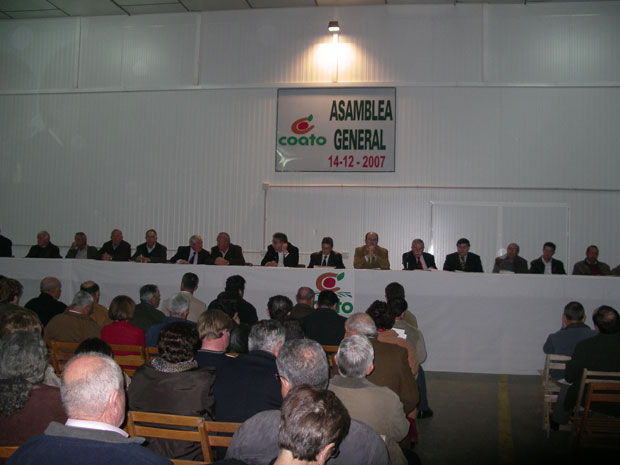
x,y
60,353
550,387
600,430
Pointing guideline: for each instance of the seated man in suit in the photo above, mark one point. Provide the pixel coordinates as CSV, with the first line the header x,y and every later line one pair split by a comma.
x,y
462,259
75,323
81,249
151,251
511,262
371,256
189,284
591,266
546,264
47,305
248,384
327,256
44,248
146,313
324,325
116,249
417,259
281,252
225,253
192,254
93,396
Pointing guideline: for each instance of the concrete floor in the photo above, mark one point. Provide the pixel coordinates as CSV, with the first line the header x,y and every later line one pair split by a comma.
x,y
493,419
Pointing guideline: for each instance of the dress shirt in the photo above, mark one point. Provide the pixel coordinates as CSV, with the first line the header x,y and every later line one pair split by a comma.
x,y
87,424
281,258
547,266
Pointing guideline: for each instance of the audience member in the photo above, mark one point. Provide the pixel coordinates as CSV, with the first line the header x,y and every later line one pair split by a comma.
x,y
27,405
93,397
11,291
590,265
247,312
313,423
100,313
121,331
6,246
47,305
146,313
189,284
327,256
80,248
214,328
116,249
281,252
324,325
75,323
395,290
249,384
44,248
303,362
178,309
95,344
150,251
304,305
192,254
228,302
377,406
371,255
546,264
225,253
279,307
173,383
510,262
417,259
462,259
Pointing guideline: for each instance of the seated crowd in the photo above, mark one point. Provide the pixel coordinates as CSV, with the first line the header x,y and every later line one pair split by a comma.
x,y
215,361
282,253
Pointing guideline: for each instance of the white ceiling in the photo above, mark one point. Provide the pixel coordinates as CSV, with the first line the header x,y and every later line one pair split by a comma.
x,y
21,9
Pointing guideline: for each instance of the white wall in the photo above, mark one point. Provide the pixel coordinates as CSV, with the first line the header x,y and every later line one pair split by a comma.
x,y
505,114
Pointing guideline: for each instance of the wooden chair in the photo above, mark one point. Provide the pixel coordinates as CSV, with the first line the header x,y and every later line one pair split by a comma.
x,y
151,353
197,432
588,377
600,430
7,451
129,357
60,353
123,349
550,387
224,432
330,351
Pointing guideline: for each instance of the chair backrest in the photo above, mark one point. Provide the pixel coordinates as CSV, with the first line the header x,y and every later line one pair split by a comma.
x,y
589,376
123,349
7,451
224,430
129,363
330,351
151,353
555,362
603,427
60,353
198,433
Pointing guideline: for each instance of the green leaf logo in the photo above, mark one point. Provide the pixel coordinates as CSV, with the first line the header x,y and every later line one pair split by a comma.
x,y
309,117
340,276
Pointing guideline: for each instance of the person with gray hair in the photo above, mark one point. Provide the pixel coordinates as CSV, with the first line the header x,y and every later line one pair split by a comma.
x,y
177,309
93,397
189,284
305,303
27,406
249,384
192,254
80,248
44,248
303,362
146,313
116,249
47,305
377,406
75,323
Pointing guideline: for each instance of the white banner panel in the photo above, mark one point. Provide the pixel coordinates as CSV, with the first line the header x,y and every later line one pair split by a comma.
x,y
336,129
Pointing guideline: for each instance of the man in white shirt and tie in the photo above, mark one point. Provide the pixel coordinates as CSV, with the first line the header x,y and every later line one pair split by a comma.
x,y
327,256
192,254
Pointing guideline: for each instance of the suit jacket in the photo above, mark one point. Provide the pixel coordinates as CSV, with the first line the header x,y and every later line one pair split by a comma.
x,y
334,259
6,247
71,327
51,251
46,307
183,253
381,259
291,260
121,254
145,316
519,264
472,263
152,335
563,342
300,311
582,268
159,254
247,385
538,267
91,252
411,263
234,255
325,326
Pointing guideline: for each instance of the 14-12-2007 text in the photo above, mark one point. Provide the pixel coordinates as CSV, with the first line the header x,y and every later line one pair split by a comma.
x,y
349,161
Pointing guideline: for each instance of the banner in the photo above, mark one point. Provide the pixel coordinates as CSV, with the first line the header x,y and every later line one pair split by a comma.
x,y
336,129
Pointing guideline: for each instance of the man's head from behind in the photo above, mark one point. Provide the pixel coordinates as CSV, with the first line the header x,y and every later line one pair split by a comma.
x,y
150,293
313,423
214,327
267,335
279,307
355,357
178,305
189,282
92,288
10,291
360,323
302,361
51,286
327,299
606,319
573,313
83,303
93,389
305,295
394,290
236,284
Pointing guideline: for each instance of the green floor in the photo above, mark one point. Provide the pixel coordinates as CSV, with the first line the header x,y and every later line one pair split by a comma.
x,y
493,419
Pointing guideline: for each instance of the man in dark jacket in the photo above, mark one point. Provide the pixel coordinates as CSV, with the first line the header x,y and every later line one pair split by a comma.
x,y
546,264
47,305
44,248
324,325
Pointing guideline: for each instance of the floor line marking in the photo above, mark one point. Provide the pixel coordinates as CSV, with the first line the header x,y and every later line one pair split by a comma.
x,y
504,423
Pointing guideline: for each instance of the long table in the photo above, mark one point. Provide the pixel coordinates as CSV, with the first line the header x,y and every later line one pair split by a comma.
x,y
475,323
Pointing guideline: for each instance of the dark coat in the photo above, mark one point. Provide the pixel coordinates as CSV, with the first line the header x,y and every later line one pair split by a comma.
x,y
538,267
291,260
159,254
183,252
145,316
334,259
91,252
6,247
46,307
121,254
472,265
234,255
519,265
411,263
325,326
51,251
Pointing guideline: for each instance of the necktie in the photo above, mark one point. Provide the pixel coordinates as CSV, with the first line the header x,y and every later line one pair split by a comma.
x,y
191,257
419,264
324,261
462,263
